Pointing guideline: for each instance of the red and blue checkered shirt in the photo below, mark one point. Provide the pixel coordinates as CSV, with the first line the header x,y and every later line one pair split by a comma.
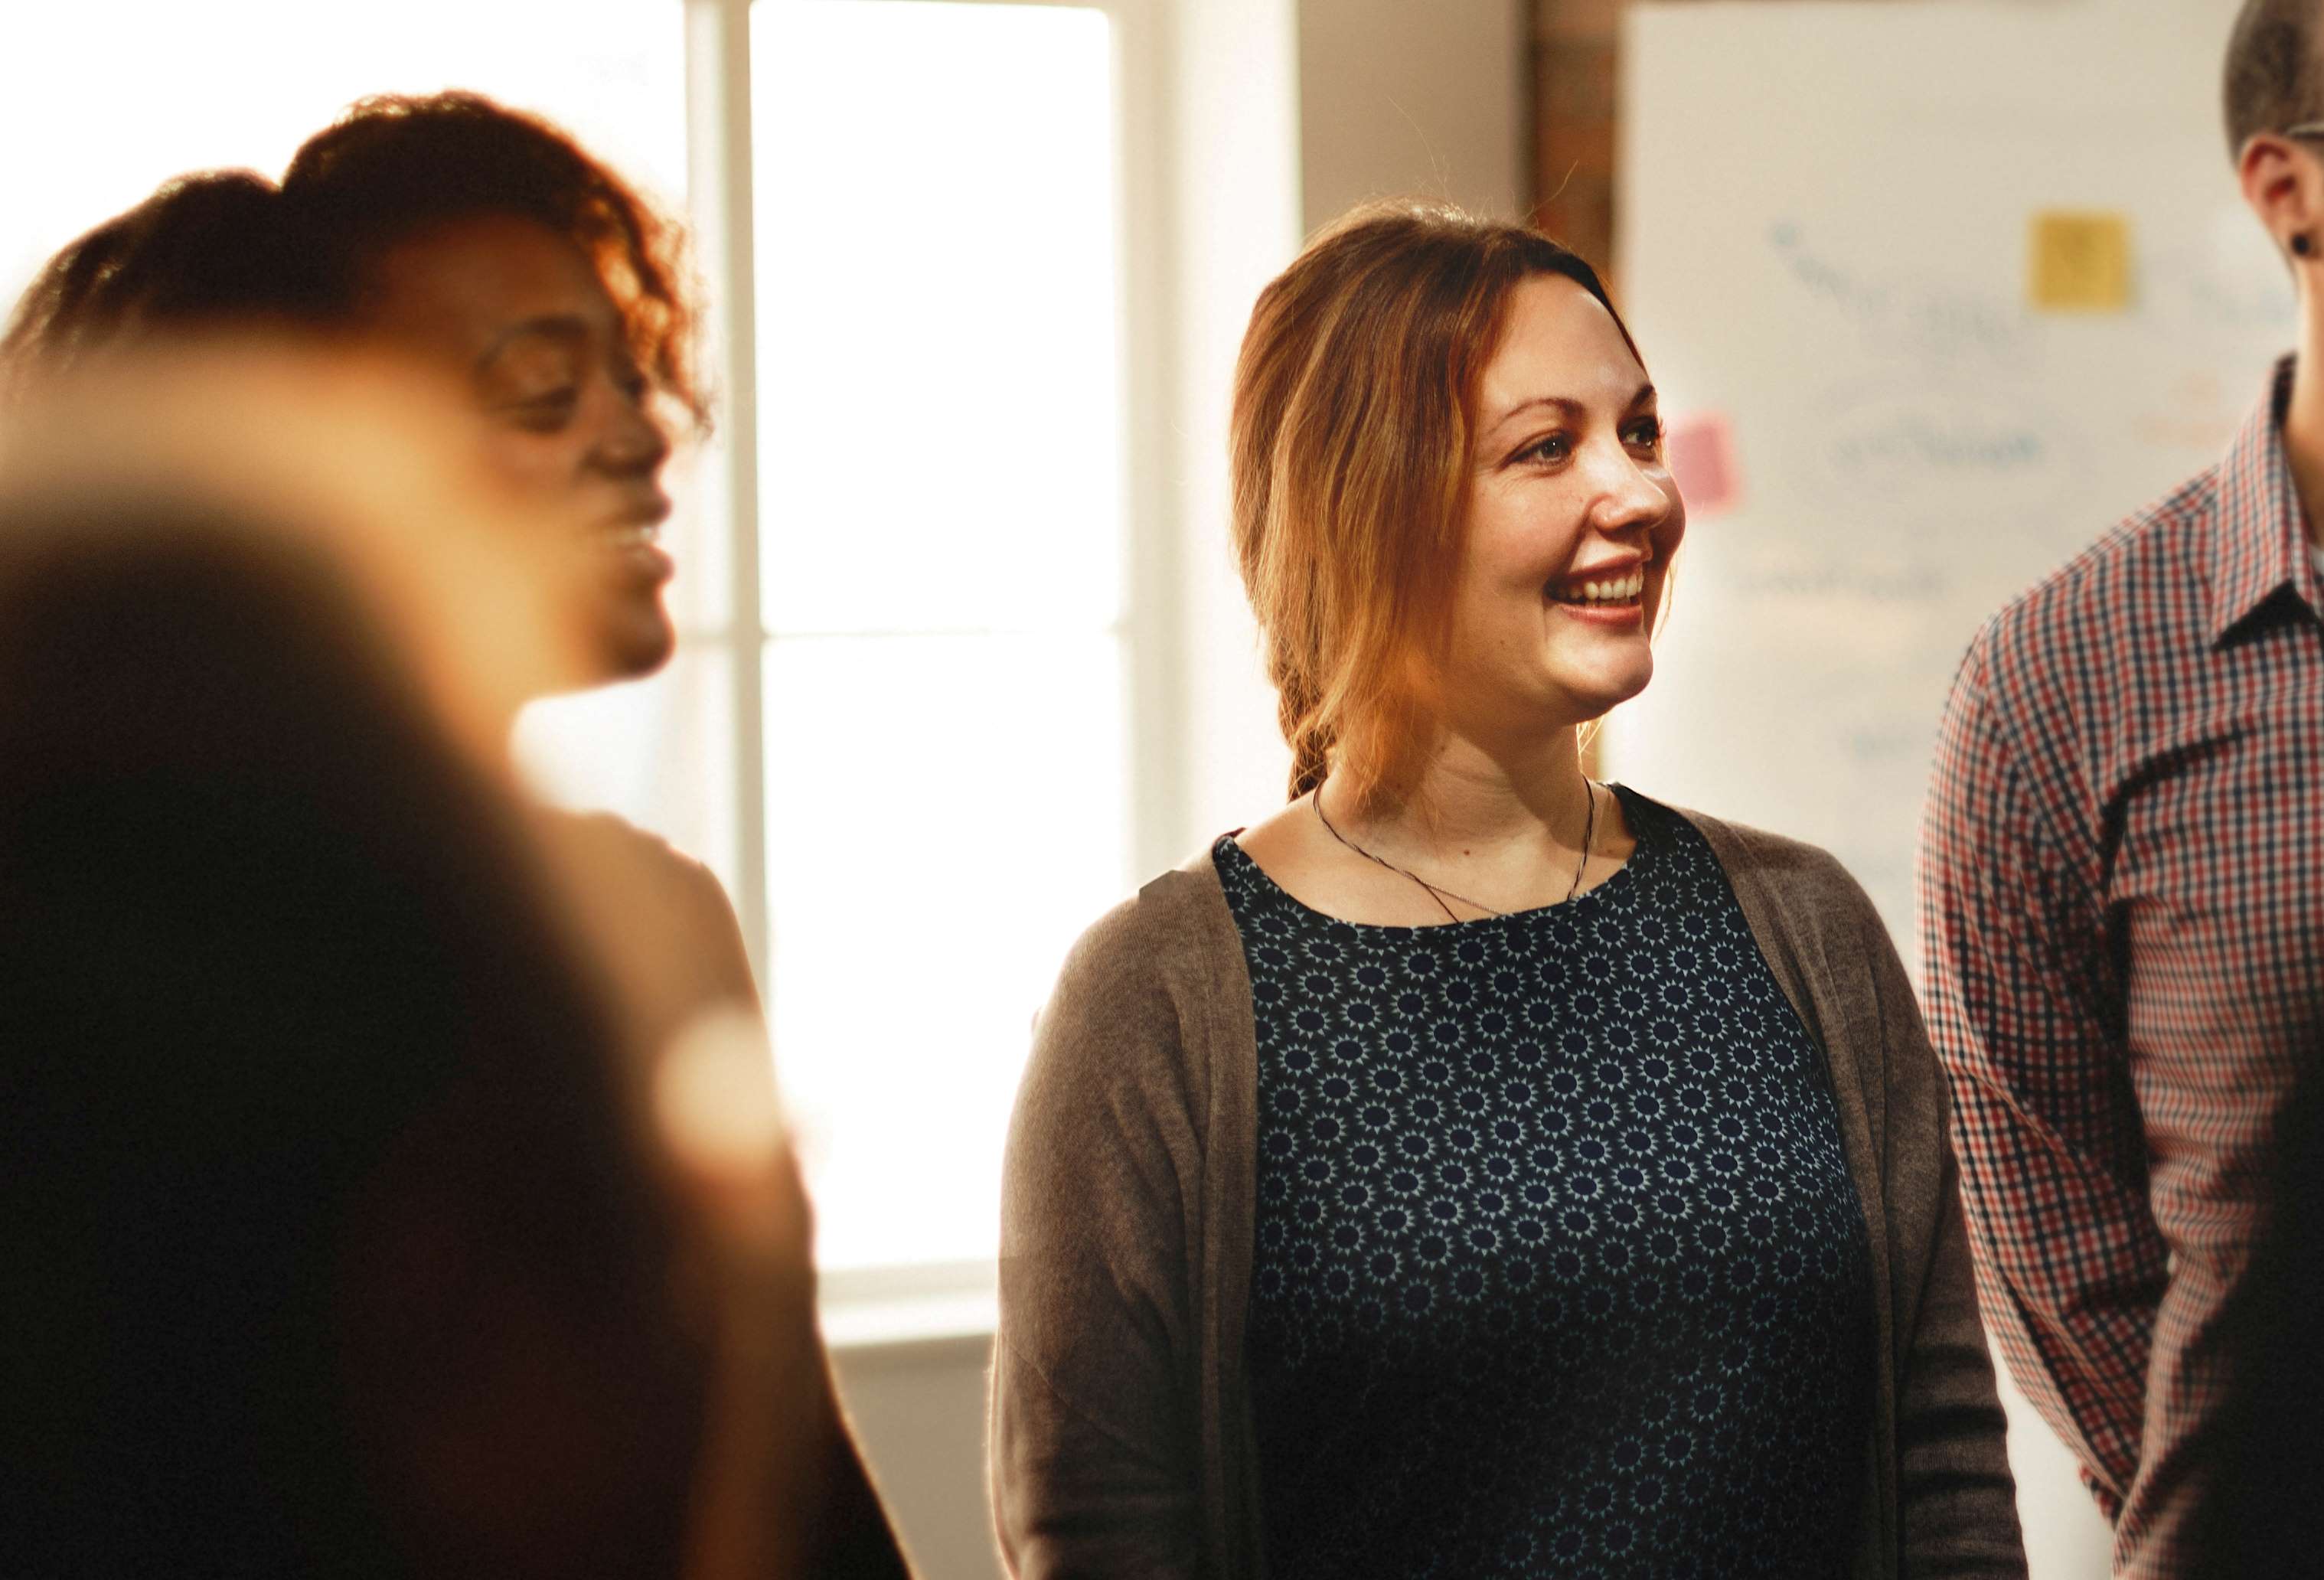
x,y
2122,899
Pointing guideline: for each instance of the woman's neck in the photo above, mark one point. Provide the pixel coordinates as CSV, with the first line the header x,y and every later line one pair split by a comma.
x,y
1474,804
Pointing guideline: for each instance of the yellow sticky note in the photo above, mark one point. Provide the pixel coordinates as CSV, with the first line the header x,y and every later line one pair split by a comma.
x,y
2080,262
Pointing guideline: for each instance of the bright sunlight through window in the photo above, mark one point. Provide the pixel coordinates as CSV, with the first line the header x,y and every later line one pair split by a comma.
x,y
941,516
941,431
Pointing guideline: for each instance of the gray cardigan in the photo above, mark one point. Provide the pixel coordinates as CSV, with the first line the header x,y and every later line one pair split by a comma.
x,y
1120,1430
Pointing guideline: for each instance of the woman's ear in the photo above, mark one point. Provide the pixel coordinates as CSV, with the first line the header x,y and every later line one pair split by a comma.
x,y
2284,186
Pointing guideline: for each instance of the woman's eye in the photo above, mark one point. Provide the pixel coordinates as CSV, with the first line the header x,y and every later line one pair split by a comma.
x,y
1548,452
543,413
1648,433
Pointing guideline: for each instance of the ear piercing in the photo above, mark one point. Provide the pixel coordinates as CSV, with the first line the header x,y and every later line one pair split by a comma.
x,y
2301,245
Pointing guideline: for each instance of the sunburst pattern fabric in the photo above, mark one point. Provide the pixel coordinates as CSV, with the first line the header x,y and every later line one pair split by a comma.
x,y
1559,1267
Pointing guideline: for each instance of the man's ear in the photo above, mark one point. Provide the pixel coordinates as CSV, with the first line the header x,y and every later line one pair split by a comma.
x,y
2284,186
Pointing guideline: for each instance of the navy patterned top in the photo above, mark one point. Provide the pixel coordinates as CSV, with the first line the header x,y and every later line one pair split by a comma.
x,y
1560,1270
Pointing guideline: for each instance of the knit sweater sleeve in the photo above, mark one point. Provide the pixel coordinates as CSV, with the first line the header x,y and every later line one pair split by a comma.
x,y
1093,1463
1955,1499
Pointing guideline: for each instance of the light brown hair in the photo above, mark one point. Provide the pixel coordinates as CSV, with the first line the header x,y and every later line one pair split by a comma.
x,y
1350,448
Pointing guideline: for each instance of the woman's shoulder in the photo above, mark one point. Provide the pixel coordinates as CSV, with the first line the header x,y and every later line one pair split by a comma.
x,y
1830,948
1795,874
661,918
1171,930
1141,974
647,867
1812,919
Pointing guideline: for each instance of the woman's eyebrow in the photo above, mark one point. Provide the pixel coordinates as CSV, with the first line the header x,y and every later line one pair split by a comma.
x,y
1567,406
1563,405
569,327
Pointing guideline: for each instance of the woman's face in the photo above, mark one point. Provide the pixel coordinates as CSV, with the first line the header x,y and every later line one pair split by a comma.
x,y
1572,521
518,310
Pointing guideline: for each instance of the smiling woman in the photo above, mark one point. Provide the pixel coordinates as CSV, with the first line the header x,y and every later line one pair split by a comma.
x,y
1489,1171
477,237
1348,538
489,240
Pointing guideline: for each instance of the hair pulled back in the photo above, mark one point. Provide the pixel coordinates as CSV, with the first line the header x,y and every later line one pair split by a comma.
x,y
232,247
206,248
1349,444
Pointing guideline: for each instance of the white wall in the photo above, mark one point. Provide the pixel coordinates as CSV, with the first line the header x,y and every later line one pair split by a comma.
x,y
918,1410
1398,99
1235,179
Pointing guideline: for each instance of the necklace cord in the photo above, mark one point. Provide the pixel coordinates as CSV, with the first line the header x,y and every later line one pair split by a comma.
x,y
1440,895
1315,799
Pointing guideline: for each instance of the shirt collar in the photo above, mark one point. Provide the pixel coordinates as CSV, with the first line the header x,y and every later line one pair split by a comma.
x,y
2258,544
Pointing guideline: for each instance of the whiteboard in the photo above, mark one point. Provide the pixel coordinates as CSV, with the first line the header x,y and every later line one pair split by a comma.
x,y
1824,224
1824,242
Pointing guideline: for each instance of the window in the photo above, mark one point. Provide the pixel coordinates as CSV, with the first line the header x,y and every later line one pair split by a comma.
x,y
100,105
930,679
941,503
897,725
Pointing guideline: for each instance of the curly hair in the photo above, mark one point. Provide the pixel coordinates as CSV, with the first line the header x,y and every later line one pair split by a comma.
x,y
392,166
233,247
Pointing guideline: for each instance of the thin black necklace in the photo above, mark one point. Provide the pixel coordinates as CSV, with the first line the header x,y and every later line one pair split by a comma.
x,y
1440,895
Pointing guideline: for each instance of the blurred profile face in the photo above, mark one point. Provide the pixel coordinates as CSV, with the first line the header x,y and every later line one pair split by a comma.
x,y
521,312
1572,521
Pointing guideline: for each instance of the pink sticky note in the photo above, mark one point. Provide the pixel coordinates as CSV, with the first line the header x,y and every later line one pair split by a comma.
x,y
1701,447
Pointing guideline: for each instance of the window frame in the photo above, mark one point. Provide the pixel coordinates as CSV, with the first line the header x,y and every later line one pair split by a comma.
x,y
1156,707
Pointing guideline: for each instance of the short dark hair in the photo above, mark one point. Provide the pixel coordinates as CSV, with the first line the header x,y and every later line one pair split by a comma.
x,y
207,249
2273,77
231,247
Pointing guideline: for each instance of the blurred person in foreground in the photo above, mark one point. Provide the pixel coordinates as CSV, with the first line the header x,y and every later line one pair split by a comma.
x,y
2121,893
552,304
361,1219
1470,1168
388,1202
485,242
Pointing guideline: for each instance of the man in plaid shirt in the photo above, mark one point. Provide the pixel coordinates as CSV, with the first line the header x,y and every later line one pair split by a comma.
x,y
2123,893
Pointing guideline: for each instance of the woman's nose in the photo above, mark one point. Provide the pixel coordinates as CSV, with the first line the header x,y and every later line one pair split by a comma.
x,y
1632,496
630,443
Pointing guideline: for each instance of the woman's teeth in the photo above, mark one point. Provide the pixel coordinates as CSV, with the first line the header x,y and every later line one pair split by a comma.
x,y
1620,589
631,535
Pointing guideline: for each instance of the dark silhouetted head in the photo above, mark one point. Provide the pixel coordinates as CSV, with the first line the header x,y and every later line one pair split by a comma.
x,y
330,1249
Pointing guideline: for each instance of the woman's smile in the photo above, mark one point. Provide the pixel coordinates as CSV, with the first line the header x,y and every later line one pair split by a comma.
x,y
1612,596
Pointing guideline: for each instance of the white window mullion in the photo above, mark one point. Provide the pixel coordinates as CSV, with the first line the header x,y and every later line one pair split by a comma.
x,y
718,159
1162,820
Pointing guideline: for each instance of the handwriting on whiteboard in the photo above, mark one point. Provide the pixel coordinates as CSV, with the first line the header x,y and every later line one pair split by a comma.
x,y
1903,456
1920,318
